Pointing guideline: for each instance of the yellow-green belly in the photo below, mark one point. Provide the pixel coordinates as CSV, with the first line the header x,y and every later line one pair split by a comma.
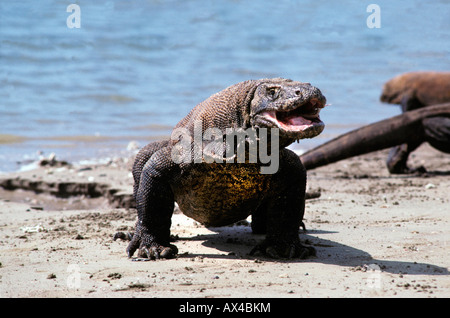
x,y
220,194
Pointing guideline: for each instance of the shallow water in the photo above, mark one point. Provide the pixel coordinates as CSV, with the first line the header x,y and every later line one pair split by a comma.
x,y
134,69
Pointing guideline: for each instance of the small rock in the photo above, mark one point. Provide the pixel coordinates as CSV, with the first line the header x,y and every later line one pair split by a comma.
x,y
115,276
79,237
133,145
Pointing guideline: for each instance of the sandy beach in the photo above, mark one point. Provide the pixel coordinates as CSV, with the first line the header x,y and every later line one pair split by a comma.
x,y
376,235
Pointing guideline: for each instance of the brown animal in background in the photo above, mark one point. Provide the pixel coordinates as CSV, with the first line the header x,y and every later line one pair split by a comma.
x,y
412,91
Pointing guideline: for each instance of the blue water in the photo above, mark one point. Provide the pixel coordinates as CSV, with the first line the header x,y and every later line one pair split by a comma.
x,y
135,68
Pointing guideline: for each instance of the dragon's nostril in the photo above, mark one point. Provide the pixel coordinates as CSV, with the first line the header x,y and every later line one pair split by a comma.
x,y
298,93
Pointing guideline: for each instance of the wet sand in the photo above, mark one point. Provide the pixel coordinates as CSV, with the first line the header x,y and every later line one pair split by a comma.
x,y
376,235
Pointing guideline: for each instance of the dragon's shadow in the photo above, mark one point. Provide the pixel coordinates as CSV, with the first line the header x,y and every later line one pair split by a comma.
x,y
237,241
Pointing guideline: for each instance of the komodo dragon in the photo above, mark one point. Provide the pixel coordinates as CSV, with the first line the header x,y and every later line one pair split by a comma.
x,y
221,193
412,91
423,120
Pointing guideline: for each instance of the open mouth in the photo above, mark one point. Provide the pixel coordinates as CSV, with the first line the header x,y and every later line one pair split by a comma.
x,y
299,119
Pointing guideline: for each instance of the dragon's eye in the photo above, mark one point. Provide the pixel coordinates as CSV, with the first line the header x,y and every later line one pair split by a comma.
x,y
272,92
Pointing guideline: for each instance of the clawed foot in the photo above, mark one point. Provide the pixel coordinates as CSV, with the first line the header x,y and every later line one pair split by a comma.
x,y
406,170
397,161
284,250
155,251
146,246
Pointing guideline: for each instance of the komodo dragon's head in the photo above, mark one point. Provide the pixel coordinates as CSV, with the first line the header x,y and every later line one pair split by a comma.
x,y
292,107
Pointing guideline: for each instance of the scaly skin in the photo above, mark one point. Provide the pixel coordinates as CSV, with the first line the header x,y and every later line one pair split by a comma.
x,y
218,194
